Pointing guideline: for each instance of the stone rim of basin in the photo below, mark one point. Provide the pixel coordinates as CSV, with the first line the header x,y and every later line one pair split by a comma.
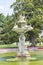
x,y
20,59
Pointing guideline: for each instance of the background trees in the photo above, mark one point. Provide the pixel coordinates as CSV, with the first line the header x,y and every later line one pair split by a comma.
x,y
33,12
7,36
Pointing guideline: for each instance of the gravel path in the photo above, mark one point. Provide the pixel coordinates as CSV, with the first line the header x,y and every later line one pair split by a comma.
x,y
5,50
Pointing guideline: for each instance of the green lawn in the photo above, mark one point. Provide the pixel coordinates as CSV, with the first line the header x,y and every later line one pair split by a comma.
x,y
22,63
15,45
39,44
8,45
10,55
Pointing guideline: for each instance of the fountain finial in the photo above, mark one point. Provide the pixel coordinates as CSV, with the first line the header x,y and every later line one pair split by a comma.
x,y
21,19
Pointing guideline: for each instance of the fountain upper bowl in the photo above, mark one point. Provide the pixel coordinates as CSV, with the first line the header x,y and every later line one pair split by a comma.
x,y
23,29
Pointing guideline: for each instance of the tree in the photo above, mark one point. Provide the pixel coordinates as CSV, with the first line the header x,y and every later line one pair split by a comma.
x,y
7,35
33,11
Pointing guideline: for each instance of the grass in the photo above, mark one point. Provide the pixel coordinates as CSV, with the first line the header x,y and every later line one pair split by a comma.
x,y
14,45
39,44
8,46
24,63
37,54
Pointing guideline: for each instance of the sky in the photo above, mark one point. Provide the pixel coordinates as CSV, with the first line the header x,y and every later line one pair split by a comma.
x,y
5,6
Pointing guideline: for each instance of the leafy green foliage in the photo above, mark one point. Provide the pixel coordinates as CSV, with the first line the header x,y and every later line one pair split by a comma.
x,y
33,11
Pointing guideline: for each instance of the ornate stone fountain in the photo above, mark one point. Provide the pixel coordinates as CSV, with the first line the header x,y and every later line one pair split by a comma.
x,y
22,28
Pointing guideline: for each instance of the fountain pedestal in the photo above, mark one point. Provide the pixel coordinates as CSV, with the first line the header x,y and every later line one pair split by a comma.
x,y
22,48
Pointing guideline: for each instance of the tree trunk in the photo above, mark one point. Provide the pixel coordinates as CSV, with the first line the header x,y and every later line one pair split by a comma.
x,y
32,39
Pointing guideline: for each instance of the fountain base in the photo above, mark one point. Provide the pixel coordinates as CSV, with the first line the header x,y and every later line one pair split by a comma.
x,y
25,54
